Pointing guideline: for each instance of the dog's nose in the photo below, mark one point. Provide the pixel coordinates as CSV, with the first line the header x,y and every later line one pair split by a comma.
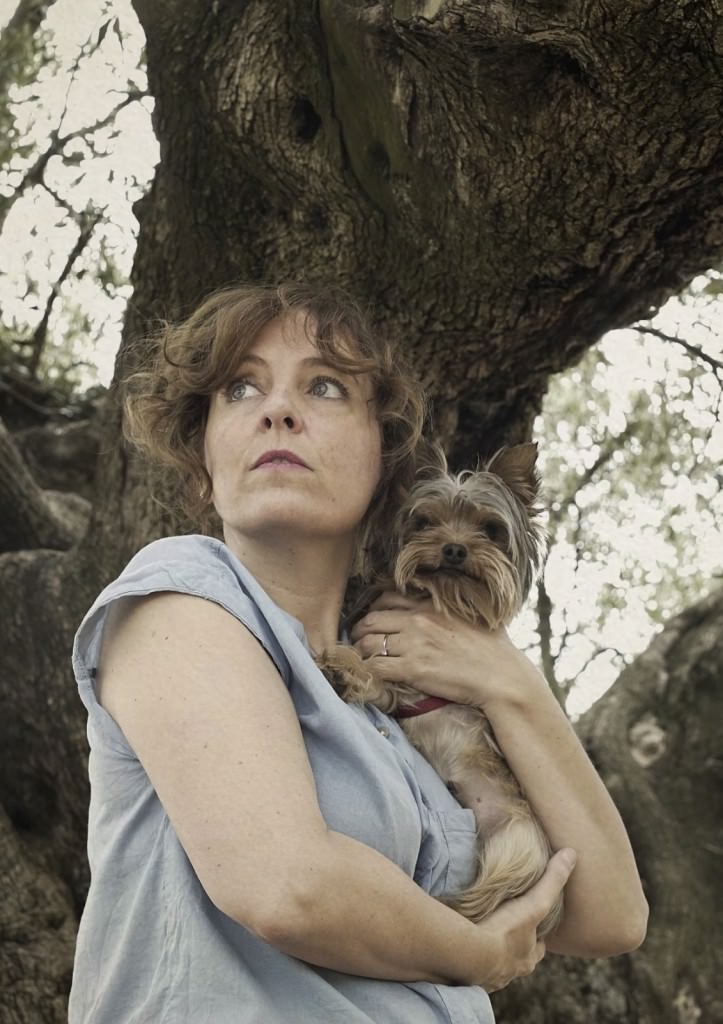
x,y
454,554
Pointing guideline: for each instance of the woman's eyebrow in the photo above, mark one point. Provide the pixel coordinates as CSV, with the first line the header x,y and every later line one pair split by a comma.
x,y
306,361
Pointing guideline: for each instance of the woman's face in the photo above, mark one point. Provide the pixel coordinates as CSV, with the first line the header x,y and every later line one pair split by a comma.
x,y
284,398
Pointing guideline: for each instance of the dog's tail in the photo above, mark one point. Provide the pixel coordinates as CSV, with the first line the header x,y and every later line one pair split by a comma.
x,y
511,860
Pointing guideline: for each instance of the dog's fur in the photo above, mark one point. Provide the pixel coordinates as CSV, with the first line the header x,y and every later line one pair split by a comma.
x,y
472,543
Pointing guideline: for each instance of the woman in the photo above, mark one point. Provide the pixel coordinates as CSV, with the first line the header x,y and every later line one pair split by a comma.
x,y
259,850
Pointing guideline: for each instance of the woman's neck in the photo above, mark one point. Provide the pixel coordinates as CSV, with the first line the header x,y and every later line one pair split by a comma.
x,y
306,578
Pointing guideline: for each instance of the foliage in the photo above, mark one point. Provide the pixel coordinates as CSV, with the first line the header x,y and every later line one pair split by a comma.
x,y
75,98
630,453
24,53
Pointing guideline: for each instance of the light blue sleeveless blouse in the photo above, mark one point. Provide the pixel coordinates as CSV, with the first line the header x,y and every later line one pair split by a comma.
x,y
152,948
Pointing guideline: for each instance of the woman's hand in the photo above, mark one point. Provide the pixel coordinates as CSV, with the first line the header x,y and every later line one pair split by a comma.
x,y
510,932
436,653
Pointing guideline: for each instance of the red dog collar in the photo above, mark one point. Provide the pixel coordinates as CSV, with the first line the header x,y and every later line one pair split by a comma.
x,y
421,707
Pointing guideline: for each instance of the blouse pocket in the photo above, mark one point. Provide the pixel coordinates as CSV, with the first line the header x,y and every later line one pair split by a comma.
x,y
447,861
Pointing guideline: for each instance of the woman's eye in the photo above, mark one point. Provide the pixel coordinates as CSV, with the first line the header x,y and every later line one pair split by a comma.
x,y
239,389
324,387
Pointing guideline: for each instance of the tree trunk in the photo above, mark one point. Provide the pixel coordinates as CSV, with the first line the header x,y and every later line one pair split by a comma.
x,y
504,182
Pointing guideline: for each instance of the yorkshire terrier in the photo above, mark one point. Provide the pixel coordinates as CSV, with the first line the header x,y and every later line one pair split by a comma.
x,y
472,543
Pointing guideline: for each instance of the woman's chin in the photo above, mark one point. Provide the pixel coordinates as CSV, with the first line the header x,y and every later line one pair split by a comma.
x,y
282,526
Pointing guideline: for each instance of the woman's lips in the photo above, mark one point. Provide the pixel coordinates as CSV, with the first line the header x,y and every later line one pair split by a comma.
x,y
281,464
280,457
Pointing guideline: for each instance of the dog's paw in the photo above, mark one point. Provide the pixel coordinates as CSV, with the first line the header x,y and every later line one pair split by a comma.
x,y
344,667
355,679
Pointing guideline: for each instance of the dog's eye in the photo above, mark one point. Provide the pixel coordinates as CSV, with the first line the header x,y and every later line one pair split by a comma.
x,y
421,523
495,532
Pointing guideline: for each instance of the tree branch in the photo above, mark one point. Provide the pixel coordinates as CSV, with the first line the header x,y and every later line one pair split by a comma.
x,y
544,629
596,654
87,223
17,396
35,10
29,517
693,350
34,175
28,14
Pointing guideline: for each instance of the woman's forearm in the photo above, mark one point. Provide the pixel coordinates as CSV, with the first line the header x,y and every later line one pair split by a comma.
x,y
357,912
360,914
605,910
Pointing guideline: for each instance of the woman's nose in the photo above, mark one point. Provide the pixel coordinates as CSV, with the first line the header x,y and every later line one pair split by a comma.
x,y
279,410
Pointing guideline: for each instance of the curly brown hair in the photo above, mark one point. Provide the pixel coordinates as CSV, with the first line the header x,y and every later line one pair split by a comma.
x,y
166,406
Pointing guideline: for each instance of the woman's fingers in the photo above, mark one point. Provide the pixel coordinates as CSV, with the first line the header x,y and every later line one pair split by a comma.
x,y
514,924
543,895
379,622
372,646
390,666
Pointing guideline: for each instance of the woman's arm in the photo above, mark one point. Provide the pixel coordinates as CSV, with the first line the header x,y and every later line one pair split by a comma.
x,y
206,712
605,909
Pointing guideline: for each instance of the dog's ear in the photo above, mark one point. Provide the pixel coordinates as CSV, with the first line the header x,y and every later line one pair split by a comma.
x,y
431,460
516,466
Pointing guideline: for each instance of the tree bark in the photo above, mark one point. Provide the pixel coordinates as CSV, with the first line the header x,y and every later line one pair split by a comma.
x,y
43,781
655,739
33,518
503,182
61,456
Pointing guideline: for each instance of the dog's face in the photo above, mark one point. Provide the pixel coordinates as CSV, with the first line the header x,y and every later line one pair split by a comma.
x,y
472,541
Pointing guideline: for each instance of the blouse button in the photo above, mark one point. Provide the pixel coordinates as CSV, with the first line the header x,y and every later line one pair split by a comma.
x,y
382,729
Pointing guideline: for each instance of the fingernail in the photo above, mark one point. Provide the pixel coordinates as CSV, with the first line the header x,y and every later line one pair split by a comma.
x,y
569,857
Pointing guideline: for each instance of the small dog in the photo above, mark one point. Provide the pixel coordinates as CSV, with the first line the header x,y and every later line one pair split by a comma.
x,y
472,543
